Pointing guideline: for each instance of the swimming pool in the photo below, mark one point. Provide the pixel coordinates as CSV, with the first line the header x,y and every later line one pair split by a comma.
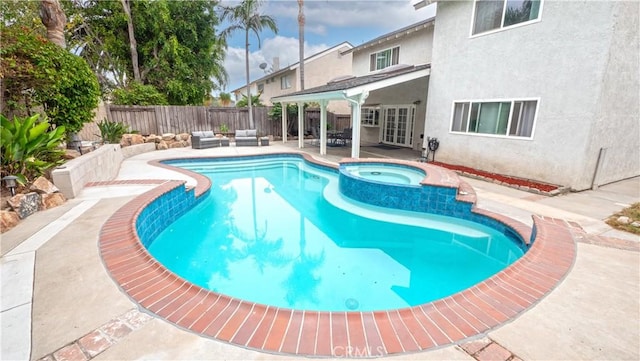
x,y
277,231
469,313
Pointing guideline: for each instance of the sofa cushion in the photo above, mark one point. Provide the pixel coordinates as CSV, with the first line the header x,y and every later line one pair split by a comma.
x,y
196,134
241,133
252,132
207,134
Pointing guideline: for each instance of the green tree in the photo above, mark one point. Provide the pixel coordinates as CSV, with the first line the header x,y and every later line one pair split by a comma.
x,y
22,13
179,52
38,73
138,94
247,17
275,114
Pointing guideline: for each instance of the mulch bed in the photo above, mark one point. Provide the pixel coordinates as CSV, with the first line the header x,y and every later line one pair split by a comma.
x,y
500,178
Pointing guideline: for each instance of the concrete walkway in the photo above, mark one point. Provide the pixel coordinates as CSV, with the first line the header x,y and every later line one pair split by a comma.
x,y
59,302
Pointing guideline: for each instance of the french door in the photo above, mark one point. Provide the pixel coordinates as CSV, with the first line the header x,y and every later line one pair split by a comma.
x,y
398,125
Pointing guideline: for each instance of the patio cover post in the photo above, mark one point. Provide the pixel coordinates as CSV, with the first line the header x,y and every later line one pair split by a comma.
x,y
356,109
283,115
323,127
300,125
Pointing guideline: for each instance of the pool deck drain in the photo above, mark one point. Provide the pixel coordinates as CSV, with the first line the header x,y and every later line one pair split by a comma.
x,y
447,321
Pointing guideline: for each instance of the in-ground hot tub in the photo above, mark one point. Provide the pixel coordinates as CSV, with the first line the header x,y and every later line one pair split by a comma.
x,y
386,173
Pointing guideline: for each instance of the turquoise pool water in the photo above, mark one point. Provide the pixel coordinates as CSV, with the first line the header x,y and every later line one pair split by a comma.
x,y
277,232
386,173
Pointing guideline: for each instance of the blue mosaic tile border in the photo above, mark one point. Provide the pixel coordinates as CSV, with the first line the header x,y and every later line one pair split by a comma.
x,y
163,211
439,200
418,198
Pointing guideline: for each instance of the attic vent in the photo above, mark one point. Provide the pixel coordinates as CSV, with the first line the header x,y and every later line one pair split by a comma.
x,y
340,78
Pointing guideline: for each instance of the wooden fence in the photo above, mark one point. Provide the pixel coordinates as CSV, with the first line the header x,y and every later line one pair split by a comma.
x,y
184,119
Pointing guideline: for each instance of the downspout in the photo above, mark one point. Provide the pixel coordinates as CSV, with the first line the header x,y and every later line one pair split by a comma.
x,y
599,161
356,121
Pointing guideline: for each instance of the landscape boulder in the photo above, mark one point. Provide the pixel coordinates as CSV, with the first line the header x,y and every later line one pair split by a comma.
x,y
8,220
52,200
137,139
42,186
168,136
25,204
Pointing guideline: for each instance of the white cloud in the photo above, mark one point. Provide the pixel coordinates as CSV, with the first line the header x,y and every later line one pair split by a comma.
x,y
385,15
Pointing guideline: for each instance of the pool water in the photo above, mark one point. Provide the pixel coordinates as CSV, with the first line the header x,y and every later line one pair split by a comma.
x,y
267,234
386,173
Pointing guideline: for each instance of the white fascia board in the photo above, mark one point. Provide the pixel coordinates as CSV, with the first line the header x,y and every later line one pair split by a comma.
x,y
324,53
333,95
387,82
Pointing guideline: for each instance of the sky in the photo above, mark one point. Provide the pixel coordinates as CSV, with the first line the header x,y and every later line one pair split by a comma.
x,y
328,23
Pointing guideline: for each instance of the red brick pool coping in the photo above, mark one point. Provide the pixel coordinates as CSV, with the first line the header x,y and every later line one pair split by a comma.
x,y
450,320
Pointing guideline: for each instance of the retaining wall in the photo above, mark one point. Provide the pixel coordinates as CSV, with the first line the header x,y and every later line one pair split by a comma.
x,y
102,164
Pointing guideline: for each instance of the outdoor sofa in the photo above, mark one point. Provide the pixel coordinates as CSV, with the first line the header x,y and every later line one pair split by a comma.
x,y
246,137
204,139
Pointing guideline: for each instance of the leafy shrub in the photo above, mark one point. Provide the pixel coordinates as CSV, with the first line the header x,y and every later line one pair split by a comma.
x,y
138,94
28,147
255,101
37,72
112,132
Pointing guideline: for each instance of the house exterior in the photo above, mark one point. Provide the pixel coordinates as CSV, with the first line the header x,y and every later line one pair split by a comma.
x,y
544,90
319,69
387,90
395,114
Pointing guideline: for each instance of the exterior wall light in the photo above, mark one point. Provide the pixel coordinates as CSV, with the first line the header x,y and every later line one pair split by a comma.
x,y
10,182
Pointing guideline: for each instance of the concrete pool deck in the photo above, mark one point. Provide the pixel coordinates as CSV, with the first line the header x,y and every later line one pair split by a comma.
x,y
73,304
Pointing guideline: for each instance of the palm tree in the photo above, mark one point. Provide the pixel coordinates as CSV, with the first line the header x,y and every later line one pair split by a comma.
x,y
225,99
246,17
54,19
301,40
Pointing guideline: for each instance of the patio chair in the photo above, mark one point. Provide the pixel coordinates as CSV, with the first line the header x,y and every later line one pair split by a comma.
x,y
345,137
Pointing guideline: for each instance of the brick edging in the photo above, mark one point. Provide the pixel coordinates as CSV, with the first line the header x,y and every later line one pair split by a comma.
x,y
450,320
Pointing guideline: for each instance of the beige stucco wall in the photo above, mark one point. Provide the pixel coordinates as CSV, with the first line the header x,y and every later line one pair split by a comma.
x,y
408,93
415,48
617,120
319,71
565,60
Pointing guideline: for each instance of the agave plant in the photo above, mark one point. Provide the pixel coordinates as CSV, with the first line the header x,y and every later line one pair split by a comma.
x,y
112,132
28,147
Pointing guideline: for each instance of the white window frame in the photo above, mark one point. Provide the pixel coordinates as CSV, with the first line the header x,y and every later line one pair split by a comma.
x,y
285,82
502,28
411,122
377,112
383,51
499,100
